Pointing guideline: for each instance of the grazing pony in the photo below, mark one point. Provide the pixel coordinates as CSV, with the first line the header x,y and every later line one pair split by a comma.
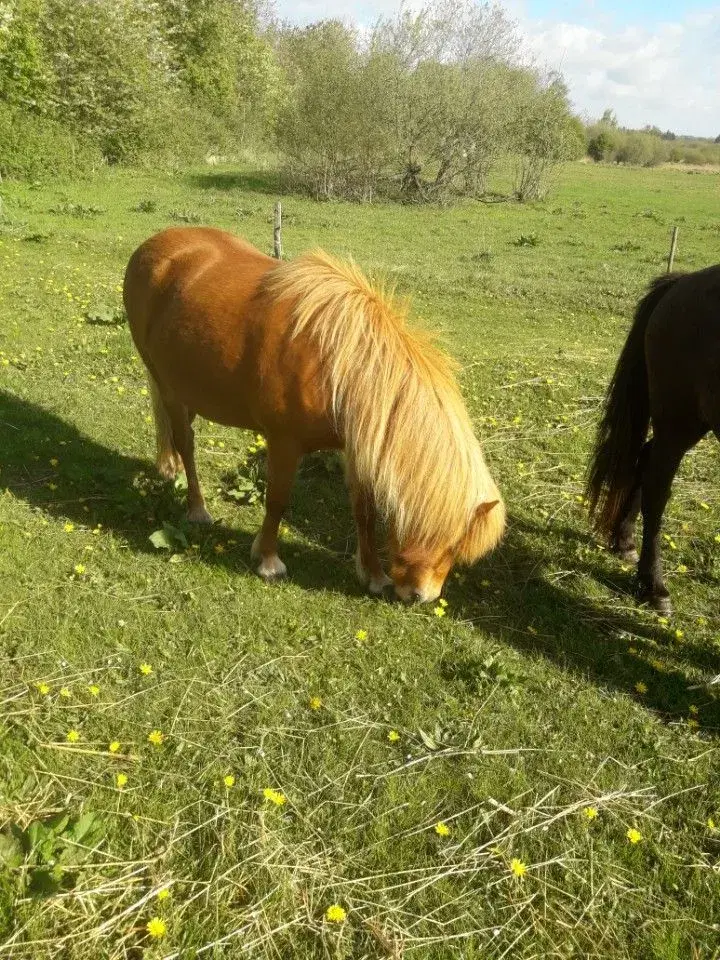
x,y
668,373
314,357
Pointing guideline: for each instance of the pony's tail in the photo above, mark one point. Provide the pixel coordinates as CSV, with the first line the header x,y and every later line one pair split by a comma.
x,y
625,422
169,463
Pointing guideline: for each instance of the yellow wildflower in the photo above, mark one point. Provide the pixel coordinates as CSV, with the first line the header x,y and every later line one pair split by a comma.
x,y
641,687
69,527
711,824
121,780
274,796
79,569
393,736
145,669
163,894
361,635
65,693
590,813
442,602
335,913
442,829
692,723
156,737
679,634
693,709
315,703
219,548
633,835
157,928
54,461
94,690
439,611
517,867
43,689
114,746
229,780
73,736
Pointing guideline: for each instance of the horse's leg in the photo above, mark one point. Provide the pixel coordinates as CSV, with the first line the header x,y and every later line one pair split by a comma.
x,y
367,562
184,437
661,466
623,539
282,462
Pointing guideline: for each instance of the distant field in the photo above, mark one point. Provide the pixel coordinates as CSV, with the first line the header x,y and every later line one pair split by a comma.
x,y
544,723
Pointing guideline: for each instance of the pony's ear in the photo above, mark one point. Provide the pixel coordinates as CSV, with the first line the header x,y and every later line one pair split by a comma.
x,y
484,531
483,509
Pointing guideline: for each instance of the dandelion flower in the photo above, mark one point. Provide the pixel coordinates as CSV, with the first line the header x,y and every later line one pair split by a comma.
x,y
681,568
315,703
393,736
69,527
711,825
274,796
590,813
361,635
679,634
693,709
229,781
641,687
692,723
145,669
43,689
54,461
633,835
157,928
121,780
439,611
517,867
156,737
442,829
73,736
94,690
114,746
79,569
65,693
335,913
219,548
442,602
163,894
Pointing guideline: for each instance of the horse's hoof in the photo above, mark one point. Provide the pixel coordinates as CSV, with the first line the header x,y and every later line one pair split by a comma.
x,y
661,604
169,467
376,585
628,556
272,569
199,515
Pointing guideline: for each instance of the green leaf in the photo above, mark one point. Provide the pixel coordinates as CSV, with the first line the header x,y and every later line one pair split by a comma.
x,y
44,883
429,741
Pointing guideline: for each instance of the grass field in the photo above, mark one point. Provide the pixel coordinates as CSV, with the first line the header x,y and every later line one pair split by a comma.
x,y
461,786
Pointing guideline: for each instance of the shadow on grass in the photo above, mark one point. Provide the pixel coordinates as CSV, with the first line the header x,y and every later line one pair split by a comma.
x,y
93,484
265,182
515,596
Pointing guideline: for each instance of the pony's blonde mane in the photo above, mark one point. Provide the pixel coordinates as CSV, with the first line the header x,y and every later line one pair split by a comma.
x,y
397,405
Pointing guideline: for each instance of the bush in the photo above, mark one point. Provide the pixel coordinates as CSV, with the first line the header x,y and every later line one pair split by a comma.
x,y
35,148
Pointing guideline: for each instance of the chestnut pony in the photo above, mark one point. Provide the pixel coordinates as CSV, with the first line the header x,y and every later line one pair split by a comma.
x,y
314,357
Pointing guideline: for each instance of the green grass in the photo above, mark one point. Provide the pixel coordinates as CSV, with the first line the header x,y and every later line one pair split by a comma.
x,y
514,712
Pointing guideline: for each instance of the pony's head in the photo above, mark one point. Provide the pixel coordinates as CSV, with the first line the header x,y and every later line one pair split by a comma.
x,y
418,571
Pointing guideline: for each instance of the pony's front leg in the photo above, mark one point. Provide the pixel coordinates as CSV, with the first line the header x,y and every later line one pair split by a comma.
x,y
282,461
367,562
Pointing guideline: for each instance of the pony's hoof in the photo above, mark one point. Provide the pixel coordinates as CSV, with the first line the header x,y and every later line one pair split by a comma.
x,y
199,515
376,585
271,569
169,466
657,600
662,605
628,556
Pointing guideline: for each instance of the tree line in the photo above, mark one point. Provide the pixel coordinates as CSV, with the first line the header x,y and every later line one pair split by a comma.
x,y
427,105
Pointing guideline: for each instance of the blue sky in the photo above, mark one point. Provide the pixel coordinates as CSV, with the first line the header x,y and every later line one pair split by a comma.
x,y
652,61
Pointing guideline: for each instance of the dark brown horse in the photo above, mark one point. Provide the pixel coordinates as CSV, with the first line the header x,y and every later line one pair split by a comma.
x,y
668,374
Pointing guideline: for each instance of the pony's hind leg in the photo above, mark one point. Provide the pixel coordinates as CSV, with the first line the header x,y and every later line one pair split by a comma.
x,y
667,451
367,562
167,457
622,541
282,461
184,438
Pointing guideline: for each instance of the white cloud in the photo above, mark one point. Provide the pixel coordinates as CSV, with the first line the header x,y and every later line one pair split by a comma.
x,y
667,75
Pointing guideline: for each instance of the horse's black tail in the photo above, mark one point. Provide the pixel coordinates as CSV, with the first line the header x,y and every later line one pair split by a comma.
x,y
625,422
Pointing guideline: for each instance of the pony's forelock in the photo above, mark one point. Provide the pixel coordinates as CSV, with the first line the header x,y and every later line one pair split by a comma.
x,y
397,404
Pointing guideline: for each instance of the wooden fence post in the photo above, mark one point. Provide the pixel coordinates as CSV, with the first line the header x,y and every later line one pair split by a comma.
x,y
277,232
673,248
